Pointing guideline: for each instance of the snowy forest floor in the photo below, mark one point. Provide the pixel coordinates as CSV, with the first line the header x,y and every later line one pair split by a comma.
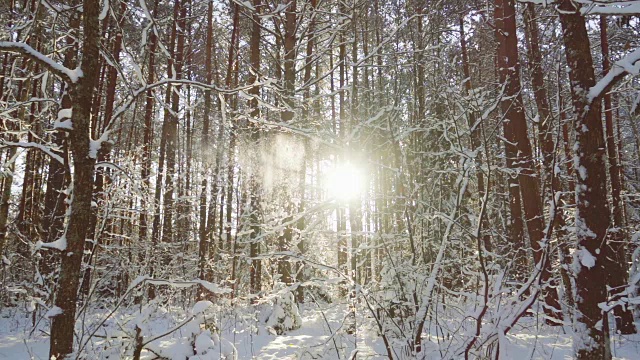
x,y
323,335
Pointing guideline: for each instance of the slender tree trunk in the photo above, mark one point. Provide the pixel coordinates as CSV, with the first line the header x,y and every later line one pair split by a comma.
x,y
164,135
354,205
180,11
545,118
302,248
289,41
342,223
517,137
62,325
475,137
232,68
58,176
102,174
515,225
25,219
7,181
145,170
618,270
205,146
255,188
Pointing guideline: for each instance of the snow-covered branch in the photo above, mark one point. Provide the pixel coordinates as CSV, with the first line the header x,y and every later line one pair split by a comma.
x,y
591,7
33,145
629,64
609,7
68,75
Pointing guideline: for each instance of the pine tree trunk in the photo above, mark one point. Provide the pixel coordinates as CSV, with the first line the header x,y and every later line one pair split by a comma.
x,y
6,182
62,325
172,128
515,225
232,68
58,177
475,130
203,234
618,269
102,174
341,223
255,272
592,210
147,144
302,248
517,137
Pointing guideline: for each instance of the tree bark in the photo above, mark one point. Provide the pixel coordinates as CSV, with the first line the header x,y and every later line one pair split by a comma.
x,y
255,271
516,133
172,127
203,234
592,210
618,269
62,325
232,71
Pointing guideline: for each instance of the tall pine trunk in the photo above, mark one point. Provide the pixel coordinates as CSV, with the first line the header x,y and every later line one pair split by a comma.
x,y
618,269
62,325
516,133
592,209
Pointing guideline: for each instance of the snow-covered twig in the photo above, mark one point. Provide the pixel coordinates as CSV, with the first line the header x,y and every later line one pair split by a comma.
x,y
33,145
68,75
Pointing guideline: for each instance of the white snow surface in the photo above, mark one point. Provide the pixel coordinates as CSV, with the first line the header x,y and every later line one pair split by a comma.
x,y
201,306
321,336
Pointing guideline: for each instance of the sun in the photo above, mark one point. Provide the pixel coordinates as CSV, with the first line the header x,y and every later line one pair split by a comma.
x,y
344,182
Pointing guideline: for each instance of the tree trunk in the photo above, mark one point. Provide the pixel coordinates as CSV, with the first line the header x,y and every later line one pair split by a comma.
x,y
102,174
545,118
302,248
62,325
475,138
232,70
172,127
205,146
145,169
255,189
592,210
340,212
618,269
58,177
517,137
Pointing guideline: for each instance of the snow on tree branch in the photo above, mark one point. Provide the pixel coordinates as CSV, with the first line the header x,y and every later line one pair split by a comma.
x,y
590,7
60,244
33,145
629,64
69,75
609,7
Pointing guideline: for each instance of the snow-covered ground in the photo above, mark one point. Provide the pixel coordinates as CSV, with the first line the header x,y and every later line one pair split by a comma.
x,y
323,335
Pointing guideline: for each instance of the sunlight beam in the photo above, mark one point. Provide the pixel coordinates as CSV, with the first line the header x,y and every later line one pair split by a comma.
x,y
344,182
